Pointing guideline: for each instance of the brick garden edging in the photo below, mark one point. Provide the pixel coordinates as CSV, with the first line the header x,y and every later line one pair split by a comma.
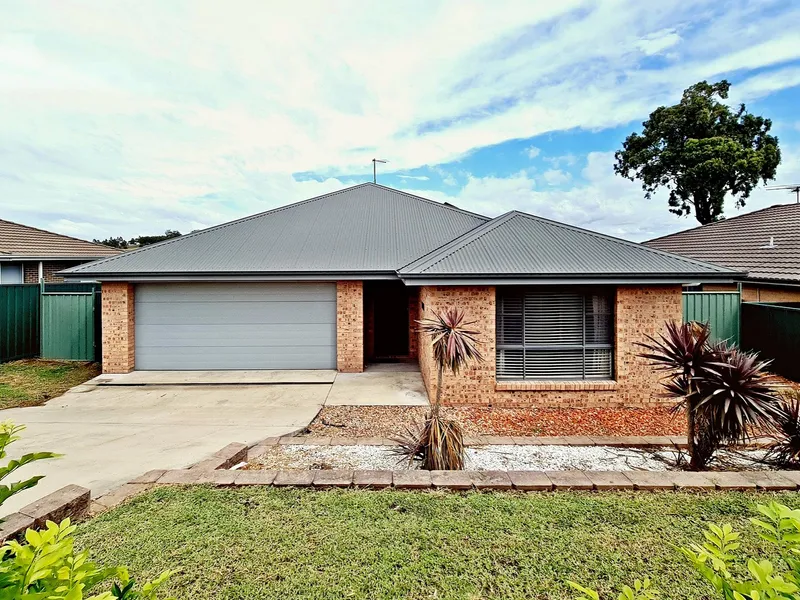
x,y
215,470
70,501
491,480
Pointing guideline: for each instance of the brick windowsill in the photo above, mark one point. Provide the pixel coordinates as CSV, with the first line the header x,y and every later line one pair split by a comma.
x,y
555,386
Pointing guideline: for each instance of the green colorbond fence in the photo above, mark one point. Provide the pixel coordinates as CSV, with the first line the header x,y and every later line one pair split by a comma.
x,y
773,330
19,322
68,326
61,322
721,310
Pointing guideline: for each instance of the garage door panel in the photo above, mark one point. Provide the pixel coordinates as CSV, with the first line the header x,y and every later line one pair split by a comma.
x,y
244,292
194,359
322,334
235,326
229,313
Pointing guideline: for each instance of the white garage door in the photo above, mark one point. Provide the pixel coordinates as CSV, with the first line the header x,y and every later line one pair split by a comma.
x,y
198,326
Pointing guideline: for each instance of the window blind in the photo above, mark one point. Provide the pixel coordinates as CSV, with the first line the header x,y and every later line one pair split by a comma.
x,y
554,334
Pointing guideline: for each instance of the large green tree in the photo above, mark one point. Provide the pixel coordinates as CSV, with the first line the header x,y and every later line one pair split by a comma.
x,y
701,150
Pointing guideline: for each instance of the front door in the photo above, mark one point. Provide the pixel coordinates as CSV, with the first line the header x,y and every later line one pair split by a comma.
x,y
391,320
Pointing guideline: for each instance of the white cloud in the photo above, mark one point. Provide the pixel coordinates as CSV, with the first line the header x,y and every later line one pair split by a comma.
x,y
658,41
602,201
138,117
533,151
556,177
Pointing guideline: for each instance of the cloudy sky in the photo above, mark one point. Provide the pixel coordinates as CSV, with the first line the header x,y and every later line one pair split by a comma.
x,y
129,118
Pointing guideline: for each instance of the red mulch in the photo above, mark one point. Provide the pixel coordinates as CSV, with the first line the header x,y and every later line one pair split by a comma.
x,y
570,421
383,421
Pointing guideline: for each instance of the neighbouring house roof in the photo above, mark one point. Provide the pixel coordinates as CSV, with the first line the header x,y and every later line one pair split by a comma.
x,y
373,231
764,243
22,242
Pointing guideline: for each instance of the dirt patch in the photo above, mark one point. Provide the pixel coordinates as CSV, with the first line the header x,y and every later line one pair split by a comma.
x,y
386,421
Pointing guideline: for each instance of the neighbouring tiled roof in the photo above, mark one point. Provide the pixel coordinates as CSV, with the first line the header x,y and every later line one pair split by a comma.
x,y
22,241
519,244
370,228
743,243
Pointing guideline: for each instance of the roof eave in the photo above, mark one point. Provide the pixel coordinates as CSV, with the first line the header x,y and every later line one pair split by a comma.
x,y
49,257
576,279
231,276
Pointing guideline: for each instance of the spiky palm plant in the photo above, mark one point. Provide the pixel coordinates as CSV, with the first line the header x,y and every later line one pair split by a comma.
x,y
439,442
724,391
785,448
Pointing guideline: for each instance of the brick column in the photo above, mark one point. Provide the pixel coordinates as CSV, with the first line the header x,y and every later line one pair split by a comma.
x,y
118,327
350,326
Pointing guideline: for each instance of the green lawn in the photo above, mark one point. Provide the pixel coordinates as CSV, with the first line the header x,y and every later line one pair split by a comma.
x,y
278,543
32,382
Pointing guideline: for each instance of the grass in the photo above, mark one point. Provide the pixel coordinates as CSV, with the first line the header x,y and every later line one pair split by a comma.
x,y
33,382
283,543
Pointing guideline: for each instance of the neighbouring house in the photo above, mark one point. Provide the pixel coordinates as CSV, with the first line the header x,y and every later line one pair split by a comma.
x,y
764,243
338,281
30,255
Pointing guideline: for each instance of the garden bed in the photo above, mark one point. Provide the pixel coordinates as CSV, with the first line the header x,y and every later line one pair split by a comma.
x,y
385,421
300,457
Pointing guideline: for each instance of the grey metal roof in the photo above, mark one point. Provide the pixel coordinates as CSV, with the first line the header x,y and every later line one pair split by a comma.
x,y
363,228
519,244
373,231
743,243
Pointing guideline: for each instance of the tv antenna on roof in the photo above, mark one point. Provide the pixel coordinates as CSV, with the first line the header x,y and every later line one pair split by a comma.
x,y
794,187
374,171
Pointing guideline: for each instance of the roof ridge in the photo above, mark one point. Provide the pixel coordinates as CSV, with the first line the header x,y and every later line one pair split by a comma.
x,y
70,237
591,233
215,227
458,243
722,221
429,201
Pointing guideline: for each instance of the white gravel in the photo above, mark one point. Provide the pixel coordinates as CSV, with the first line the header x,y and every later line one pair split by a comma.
x,y
534,458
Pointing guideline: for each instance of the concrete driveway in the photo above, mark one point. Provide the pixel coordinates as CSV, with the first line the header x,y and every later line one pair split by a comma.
x,y
110,434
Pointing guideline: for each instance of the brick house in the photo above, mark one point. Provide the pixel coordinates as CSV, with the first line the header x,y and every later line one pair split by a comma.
x,y
338,281
764,243
30,255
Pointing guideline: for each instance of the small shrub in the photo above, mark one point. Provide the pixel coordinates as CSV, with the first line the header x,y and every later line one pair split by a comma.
x,y
717,560
45,565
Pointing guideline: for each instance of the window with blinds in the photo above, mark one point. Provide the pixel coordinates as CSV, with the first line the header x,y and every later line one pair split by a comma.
x,y
554,334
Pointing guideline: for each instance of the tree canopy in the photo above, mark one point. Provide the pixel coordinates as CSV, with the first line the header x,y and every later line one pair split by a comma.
x,y
701,150
142,240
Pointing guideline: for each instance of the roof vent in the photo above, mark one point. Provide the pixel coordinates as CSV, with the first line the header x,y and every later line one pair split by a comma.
x,y
771,243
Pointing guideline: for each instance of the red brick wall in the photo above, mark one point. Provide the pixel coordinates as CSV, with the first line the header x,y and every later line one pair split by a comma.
x,y
638,311
350,326
30,271
118,327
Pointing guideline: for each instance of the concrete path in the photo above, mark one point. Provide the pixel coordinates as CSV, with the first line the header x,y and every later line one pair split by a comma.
x,y
111,434
392,384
